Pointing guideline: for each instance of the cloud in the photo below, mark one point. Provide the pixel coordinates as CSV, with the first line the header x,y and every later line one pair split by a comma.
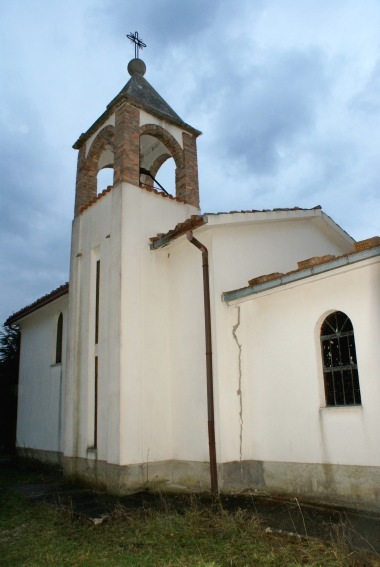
x,y
286,94
165,24
264,112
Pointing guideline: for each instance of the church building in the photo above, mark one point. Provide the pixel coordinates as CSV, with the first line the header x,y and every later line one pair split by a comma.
x,y
233,351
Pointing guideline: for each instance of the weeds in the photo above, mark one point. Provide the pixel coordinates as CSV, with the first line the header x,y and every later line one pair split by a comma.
x,y
163,531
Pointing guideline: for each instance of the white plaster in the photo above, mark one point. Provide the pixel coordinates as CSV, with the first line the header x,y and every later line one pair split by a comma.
x,y
41,382
283,368
175,131
109,122
106,159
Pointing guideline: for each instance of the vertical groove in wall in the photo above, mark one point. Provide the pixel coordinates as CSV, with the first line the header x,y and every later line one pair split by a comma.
x,y
96,403
97,288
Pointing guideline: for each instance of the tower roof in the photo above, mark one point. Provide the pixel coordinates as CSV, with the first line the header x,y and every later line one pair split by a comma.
x,y
144,94
140,93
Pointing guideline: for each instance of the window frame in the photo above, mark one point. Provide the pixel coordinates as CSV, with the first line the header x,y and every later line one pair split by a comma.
x,y
339,362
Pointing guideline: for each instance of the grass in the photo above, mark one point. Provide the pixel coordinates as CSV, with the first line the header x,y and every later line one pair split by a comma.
x,y
198,535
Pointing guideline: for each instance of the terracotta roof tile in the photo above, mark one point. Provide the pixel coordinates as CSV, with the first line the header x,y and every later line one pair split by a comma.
x,y
104,192
181,228
316,261
162,194
202,219
145,188
44,300
266,278
366,244
317,207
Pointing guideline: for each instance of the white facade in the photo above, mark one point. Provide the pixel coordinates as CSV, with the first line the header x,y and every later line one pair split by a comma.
x,y
41,387
320,450
127,407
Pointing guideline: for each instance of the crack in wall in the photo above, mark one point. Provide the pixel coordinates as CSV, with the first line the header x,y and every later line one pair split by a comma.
x,y
239,390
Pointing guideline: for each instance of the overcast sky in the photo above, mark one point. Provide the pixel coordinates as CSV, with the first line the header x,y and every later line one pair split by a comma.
x,y
286,93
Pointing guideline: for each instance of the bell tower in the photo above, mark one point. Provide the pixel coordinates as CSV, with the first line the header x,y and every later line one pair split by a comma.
x,y
136,134
118,297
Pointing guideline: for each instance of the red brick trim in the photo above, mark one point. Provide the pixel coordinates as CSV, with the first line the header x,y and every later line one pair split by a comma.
x,y
186,180
88,167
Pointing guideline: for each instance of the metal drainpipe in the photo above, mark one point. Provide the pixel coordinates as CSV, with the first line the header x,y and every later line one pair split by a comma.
x,y
210,389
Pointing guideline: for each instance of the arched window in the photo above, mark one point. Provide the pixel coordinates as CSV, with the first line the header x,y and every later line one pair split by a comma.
x,y
58,344
340,368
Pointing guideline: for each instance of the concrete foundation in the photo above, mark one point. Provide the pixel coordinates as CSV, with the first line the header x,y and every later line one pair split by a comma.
x,y
175,476
48,457
340,484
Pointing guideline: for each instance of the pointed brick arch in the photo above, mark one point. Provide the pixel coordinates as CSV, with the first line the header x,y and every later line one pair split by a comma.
x,y
88,167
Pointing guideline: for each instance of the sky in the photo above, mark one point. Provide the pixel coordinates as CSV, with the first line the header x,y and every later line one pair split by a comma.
x,y
285,92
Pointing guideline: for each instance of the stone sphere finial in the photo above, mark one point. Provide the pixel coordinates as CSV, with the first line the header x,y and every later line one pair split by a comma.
x,y
136,66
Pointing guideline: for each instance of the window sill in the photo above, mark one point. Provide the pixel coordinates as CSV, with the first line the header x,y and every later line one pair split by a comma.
x,y
357,407
55,364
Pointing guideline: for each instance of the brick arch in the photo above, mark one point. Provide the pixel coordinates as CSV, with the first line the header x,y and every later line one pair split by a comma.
x,y
154,168
167,139
87,185
186,174
105,137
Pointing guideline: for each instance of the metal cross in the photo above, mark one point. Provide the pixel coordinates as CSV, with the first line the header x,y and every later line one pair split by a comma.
x,y
134,37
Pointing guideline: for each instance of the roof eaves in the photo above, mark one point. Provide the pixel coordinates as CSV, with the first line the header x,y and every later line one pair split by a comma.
x,y
41,302
329,221
92,129
155,111
161,240
291,209
300,274
124,96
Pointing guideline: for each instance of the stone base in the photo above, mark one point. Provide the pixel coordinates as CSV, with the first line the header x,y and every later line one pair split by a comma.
x,y
175,476
347,485
48,457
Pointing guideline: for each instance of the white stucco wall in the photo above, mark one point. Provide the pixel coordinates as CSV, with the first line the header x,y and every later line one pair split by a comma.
x,y
41,381
284,415
152,403
134,398
146,397
240,247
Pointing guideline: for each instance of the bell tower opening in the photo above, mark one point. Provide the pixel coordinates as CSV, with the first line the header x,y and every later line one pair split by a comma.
x,y
104,178
166,176
157,165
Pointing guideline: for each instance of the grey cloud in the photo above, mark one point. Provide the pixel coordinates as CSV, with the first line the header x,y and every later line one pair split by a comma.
x,y
368,99
270,108
166,21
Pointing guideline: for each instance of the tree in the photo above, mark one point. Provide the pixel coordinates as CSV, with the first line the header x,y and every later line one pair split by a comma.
x,y
9,366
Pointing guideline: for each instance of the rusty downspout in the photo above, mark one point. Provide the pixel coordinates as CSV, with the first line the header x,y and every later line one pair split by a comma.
x,y
210,389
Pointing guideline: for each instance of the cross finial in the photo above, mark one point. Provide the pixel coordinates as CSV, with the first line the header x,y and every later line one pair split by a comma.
x,y
134,37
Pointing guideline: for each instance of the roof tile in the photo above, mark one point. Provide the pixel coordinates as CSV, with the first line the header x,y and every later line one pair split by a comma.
x,y
144,188
44,300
